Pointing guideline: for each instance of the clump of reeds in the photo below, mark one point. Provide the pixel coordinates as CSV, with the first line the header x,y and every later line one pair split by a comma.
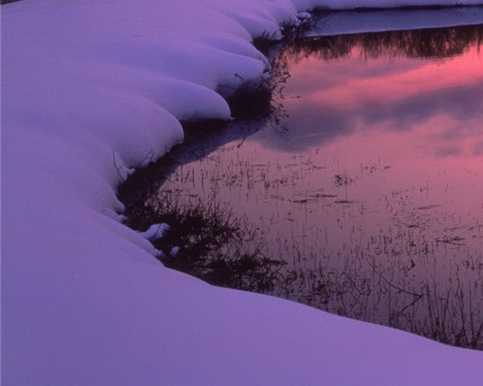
x,y
207,241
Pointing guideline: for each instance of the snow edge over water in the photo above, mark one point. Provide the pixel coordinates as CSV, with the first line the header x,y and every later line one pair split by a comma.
x,y
92,90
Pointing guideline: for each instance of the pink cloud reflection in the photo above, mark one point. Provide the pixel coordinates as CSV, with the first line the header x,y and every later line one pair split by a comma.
x,y
438,102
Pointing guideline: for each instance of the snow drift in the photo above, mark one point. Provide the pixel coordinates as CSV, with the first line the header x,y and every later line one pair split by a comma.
x,y
90,91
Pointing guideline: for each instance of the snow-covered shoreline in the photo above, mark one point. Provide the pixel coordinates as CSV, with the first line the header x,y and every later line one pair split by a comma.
x,y
90,90
350,22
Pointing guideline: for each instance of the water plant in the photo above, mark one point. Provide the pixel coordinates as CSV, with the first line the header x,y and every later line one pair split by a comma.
x,y
206,240
390,278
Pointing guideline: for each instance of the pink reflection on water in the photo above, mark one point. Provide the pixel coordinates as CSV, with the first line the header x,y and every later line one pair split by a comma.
x,y
442,99
380,80
422,117
416,123
374,172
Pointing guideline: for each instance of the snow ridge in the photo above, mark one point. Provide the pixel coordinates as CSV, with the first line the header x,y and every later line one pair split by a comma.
x,y
90,91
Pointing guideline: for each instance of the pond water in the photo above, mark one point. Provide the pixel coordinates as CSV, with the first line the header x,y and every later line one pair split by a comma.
x,y
365,180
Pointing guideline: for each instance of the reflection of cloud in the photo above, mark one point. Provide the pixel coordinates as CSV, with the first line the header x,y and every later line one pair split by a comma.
x,y
448,151
459,104
397,95
478,148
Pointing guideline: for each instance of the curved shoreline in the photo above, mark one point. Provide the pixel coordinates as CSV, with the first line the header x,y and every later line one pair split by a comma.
x,y
86,88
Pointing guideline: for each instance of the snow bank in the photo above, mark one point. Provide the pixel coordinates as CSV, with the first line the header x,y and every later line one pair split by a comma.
x,y
353,4
351,22
90,90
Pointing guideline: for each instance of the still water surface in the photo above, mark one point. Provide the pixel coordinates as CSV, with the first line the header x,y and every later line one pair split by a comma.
x,y
367,178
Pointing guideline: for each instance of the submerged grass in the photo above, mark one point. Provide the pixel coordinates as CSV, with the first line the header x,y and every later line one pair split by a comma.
x,y
206,240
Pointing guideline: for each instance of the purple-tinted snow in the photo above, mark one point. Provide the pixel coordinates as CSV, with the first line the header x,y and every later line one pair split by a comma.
x,y
90,90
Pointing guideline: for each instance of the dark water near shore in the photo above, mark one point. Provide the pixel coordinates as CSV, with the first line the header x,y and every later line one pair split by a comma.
x,y
366,179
